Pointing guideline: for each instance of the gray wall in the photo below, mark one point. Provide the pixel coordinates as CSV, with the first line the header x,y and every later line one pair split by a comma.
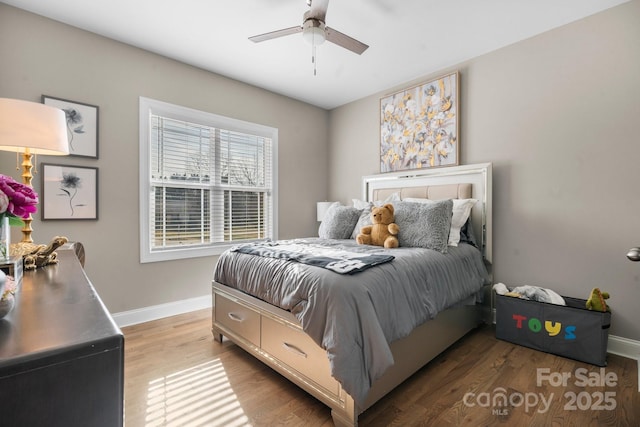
x,y
41,56
558,115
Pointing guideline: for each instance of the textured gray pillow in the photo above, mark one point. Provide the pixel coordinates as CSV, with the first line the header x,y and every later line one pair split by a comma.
x,y
338,222
424,225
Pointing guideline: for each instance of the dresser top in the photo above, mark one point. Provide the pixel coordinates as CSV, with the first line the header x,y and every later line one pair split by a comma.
x,y
57,311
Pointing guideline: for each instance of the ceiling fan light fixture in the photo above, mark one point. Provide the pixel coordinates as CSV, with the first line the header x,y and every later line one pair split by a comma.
x,y
313,32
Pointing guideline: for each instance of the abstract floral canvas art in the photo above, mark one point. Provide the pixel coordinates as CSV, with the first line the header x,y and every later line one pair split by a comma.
x,y
419,126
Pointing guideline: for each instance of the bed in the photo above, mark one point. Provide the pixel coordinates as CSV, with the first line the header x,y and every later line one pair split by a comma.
x,y
297,323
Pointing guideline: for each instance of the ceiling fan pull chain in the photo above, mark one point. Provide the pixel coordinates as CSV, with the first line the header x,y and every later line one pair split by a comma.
x,y
314,58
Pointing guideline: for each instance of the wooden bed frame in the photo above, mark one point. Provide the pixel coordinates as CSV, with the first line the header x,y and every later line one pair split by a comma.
x,y
275,336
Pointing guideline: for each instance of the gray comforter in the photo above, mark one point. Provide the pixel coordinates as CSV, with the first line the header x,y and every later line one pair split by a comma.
x,y
355,317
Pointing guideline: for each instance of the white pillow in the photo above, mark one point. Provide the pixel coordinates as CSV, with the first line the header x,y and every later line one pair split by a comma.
x,y
461,212
361,204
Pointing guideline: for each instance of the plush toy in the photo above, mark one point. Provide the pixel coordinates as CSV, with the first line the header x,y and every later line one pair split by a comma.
x,y
597,299
383,231
532,293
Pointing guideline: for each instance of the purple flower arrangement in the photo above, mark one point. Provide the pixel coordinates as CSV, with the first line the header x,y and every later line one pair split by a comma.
x,y
16,200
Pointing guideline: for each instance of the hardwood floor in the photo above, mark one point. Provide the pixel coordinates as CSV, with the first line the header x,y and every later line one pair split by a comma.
x,y
176,375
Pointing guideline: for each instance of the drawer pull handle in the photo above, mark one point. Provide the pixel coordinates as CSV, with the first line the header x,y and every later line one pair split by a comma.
x,y
292,348
235,317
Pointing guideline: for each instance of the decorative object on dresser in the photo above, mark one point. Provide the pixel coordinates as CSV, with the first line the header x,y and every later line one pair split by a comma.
x,y
13,267
5,238
44,254
81,125
419,126
7,291
17,203
31,129
61,353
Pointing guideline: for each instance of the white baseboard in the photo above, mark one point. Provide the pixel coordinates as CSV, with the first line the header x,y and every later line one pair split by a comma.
x,y
146,314
624,347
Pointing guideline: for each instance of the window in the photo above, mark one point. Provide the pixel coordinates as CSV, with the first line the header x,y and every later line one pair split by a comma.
x,y
206,182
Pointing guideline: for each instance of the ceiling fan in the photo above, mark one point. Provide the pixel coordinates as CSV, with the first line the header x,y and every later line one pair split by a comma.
x,y
315,31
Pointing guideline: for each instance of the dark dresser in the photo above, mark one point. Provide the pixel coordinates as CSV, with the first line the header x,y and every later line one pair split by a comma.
x,y
61,353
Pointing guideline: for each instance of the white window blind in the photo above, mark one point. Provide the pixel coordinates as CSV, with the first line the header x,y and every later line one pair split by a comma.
x,y
210,182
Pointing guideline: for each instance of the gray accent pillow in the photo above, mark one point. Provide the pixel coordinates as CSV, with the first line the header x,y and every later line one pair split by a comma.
x,y
338,222
424,225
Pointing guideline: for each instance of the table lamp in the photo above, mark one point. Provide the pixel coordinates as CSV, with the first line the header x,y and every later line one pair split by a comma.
x,y
31,128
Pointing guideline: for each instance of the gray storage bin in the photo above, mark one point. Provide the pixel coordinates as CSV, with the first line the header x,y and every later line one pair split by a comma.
x,y
571,331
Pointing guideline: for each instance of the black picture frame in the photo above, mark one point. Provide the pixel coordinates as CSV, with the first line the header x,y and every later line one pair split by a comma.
x,y
69,192
82,125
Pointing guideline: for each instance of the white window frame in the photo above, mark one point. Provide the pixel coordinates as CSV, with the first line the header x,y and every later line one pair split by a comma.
x,y
151,106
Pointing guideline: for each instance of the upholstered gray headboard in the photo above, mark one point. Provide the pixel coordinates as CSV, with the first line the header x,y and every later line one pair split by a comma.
x,y
456,182
433,192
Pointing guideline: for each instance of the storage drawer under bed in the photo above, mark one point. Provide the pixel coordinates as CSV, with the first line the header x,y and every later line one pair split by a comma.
x,y
296,349
237,318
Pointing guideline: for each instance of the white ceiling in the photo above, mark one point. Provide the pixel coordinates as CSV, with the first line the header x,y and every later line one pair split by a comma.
x,y
407,38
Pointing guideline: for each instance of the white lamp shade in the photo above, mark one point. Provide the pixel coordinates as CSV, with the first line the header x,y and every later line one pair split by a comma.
x,y
38,128
321,209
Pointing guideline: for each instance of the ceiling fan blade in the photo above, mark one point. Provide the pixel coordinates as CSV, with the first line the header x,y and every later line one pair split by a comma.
x,y
276,34
343,40
318,9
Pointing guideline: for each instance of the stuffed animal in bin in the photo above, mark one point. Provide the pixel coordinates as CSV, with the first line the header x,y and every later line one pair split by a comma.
x,y
597,299
383,231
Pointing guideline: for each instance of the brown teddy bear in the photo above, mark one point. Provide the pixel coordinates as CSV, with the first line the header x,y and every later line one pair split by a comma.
x,y
383,232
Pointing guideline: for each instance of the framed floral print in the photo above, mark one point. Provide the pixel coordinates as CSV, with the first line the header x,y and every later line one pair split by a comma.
x,y
82,125
419,126
69,192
